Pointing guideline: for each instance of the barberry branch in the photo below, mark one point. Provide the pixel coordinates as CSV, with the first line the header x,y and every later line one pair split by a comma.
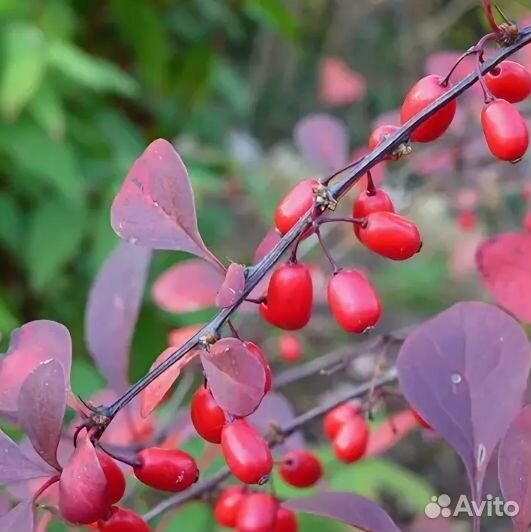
x,y
353,173
282,432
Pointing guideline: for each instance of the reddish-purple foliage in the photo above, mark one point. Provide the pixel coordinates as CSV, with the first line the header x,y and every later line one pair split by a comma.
x,y
31,344
41,408
270,240
504,264
235,377
347,507
514,467
155,207
112,311
16,466
338,83
465,372
18,519
188,286
232,288
323,140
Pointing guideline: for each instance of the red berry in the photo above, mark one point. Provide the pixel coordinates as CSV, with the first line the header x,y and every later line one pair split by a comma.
x,y
353,301
294,205
289,297
228,506
379,135
351,440
505,130
289,347
367,203
466,220
390,235
208,418
510,81
259,354
122,520
258,513
420,420
166,469
300,468
337,417
246,452
526,222
113,474
286,521
422,94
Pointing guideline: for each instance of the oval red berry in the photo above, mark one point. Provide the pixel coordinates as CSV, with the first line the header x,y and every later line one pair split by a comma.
x,y
208,418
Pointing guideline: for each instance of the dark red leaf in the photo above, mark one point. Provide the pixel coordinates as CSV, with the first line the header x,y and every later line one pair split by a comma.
x,y
235,377
275,408
177,337
83,486
41,408
514,467
112,311
155,207
15,465
504,264
188,286
338,83
30,345
347,507
156,391
232,288
465,372
323,140
270,240
18,519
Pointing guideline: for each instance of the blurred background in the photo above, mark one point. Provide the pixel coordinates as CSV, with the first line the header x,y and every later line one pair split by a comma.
x,y
85,86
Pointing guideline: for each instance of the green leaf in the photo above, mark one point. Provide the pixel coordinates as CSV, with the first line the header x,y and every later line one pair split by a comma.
x,y
8,319
374,476
35,152
46,108
24,61
85,379
11,226
91,72
196,516
275,14
232,87
55,236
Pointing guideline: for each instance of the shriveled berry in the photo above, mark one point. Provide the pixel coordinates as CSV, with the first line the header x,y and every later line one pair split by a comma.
x,y
390,235
258,513
259,354
114,475
166,469
379,135
300,468
286,521
337,417
246,452
228,506
505,131
122,520
289,297
351,440
294,205
208,418
422,94
510,81
289,347
353,301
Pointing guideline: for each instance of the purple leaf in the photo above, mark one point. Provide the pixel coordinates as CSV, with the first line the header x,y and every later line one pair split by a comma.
x,y
188,286
235,377
112,311
270,240
41,408
18,519
30,345
155,207
514,467
15,465
323,140
347,507
275,408
465,372
232,288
